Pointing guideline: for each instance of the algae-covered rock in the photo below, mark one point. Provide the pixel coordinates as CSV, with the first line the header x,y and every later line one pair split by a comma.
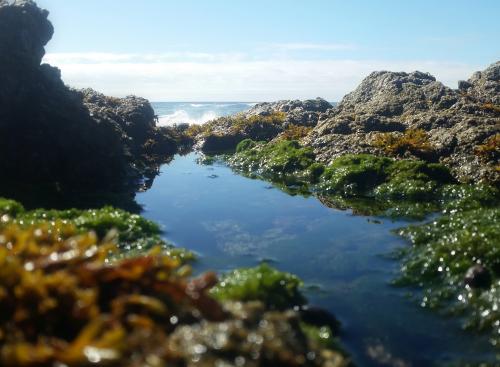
x,y
280,158
413,115
135,234
456,260
352,175
262,122
278,290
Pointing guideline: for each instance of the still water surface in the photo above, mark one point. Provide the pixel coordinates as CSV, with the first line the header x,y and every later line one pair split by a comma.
x,y
233,221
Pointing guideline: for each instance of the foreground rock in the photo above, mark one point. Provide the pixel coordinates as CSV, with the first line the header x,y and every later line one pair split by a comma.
x,y
263,122
458,128
54,137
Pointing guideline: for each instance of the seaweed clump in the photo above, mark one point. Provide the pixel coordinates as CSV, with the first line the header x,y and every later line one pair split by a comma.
x,y
456,260
277,290
413,141
286,157
135,234
63,302
295,132
404,187
490,150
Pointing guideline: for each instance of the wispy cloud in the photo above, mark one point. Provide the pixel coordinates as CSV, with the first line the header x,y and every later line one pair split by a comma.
x,y
314,46
103,58
199,76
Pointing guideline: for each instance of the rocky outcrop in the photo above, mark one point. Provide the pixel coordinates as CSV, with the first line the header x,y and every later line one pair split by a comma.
x,y
262,122
456,122
59,138
303,113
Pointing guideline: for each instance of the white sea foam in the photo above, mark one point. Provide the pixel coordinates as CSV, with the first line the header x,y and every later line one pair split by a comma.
x,y
181,116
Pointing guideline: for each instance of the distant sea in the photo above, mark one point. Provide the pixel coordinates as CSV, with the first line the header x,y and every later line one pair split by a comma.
x,y
170,113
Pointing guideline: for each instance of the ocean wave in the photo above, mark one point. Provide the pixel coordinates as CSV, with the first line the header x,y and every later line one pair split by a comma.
x,y
182,116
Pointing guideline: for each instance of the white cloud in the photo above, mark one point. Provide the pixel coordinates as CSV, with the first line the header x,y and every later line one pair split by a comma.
x,y
314,46
231,77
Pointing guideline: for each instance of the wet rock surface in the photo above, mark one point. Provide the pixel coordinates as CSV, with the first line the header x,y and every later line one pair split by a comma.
x,y
304,113
59,138
457,122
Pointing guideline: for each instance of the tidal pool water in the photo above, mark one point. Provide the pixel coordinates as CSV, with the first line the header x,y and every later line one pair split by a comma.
x,y
233,221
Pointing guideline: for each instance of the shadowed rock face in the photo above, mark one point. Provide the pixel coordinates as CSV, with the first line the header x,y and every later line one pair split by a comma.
x,y
53,136
456,121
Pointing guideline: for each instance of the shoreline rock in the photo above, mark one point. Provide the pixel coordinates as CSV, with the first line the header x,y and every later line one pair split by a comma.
x,y
62,139
456,122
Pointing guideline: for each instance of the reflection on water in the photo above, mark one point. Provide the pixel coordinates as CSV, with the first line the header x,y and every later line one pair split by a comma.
x,y
234,221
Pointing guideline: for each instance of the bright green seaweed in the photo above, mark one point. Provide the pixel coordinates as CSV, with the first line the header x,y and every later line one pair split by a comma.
x,y
135,233
443,251
263,283
396,187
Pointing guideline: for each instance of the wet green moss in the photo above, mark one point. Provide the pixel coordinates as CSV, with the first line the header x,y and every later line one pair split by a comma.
x,y
135,234
355,175
276,289
466,197
10,207
322,336
441,254
286,157
245,145
394,183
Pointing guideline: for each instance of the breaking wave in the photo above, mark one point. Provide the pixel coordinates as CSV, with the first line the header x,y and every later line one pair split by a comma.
x,y
182,116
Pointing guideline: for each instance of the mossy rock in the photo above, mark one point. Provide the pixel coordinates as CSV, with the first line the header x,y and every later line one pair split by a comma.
x,y
443,253
355,175
276,289
10,207
135,234
245,145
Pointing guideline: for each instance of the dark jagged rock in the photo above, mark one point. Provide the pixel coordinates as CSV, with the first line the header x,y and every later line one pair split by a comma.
x,y
456,122
59,138
478,276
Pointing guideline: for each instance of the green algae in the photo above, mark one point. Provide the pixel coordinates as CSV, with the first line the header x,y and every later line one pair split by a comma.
x,y
285,157
10,207
245,145
276,289
355,175
322,335
442,251
134,233
397,188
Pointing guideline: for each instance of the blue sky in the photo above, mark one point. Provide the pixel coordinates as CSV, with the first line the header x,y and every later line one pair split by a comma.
x,y
265,50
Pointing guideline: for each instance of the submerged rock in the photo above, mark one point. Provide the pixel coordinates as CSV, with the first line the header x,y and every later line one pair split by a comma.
x,y
477,276
456,122
62,139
